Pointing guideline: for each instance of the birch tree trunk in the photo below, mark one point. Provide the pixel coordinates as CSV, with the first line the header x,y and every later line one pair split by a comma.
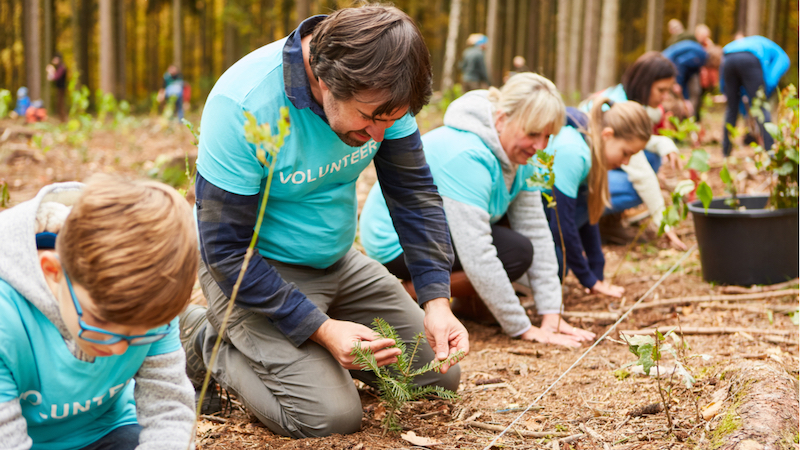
x,y
562,45
303,10
589,58
697,13
106,46
492,35
753,18
177,34
48,50
607,59
544,37
655,15
122,79
33,53
450,45
574,49
772,18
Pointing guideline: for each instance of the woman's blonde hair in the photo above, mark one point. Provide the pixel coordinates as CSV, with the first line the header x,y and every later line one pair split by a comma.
x,y
628,120
532,101
133,246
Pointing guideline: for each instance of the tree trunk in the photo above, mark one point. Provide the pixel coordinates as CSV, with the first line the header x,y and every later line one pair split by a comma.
x,y
49,49
450,45
607,60
753,23
772,17
574,50
522,28
765,400
650,30
177,34
741,16
533,43
589,58
33,53
107,46
492,34
122,45
562,45
303,10
230,45
544,37
697,14
509,38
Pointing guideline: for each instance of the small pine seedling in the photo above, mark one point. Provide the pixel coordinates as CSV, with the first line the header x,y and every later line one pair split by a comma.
x,y
395,381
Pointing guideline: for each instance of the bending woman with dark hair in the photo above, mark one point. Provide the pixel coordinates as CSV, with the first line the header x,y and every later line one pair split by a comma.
x,y
648,81
479,163
585,149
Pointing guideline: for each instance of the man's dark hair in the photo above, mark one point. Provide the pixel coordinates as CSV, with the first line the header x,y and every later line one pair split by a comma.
x,y
639,78
373,48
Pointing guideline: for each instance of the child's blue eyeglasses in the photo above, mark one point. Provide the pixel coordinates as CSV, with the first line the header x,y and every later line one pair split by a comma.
x,y
101,336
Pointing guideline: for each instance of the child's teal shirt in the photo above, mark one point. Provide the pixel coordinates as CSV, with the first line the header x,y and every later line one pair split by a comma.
x,y
464,169
572,162
311,218
67,403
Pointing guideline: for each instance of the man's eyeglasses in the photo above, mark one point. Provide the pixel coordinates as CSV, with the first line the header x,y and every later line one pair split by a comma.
x,y
101,336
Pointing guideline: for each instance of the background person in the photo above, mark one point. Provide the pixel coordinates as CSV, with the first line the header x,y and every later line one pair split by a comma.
x,y
85,314
351,82
479,162
473,63
750,63
57,74
585,149
172,90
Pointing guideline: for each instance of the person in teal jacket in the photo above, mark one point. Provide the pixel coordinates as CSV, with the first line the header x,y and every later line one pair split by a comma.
x,y
585,149
479,163
749,64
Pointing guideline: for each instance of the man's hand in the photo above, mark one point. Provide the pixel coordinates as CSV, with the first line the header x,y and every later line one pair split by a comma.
x,y
339,338
444,332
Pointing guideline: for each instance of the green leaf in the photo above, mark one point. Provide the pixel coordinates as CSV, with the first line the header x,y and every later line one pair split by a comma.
x,y
684,187
704,194
724,175
773,130
793,155
698,161
785,169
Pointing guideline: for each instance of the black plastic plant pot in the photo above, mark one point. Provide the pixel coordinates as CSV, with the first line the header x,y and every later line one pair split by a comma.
x,y
750,246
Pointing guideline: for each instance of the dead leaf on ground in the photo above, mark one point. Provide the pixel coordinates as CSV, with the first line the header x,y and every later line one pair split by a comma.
x,y
419,440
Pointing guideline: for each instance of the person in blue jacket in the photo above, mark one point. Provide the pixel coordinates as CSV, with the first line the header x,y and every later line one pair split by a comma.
x,y
585,149
688,57
479,162
351,83
749,63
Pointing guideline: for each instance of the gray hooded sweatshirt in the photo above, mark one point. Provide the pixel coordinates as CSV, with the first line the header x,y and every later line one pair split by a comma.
x,y
471,230
163,393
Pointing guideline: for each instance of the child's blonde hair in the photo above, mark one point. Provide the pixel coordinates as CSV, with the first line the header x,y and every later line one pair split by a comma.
x,y
532,101
629,120
133,246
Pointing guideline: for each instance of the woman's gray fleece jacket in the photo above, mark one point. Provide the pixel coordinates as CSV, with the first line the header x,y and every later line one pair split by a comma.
x,y
164,395
472,234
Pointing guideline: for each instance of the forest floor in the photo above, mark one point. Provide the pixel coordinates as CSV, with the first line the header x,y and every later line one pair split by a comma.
x,y
594,406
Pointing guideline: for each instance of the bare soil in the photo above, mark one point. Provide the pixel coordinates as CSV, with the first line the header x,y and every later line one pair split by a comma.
x,y
502,376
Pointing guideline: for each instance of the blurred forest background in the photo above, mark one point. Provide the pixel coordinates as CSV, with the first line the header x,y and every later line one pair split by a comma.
x,y
123,47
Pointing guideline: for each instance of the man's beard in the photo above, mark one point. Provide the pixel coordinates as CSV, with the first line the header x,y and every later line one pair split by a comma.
x,y
351,141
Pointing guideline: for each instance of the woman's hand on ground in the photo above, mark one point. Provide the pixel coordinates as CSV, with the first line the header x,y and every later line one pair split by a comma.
x,y
601,287
537,334
556,324
445,333
674,160
675,241
340,337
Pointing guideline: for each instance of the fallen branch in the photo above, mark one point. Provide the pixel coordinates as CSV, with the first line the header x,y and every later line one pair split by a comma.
x,y
780,340
756,288
600,315
214,419
713,298
533,434
708,330
751,307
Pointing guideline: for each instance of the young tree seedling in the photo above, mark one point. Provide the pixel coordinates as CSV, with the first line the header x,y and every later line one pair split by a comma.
x,y
396,381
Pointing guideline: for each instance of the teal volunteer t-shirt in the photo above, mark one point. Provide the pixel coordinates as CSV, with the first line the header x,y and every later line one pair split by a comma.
x,y
67,403
311,214
464,169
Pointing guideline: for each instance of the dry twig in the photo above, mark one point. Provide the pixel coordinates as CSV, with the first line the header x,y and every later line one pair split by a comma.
x,y
533,434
